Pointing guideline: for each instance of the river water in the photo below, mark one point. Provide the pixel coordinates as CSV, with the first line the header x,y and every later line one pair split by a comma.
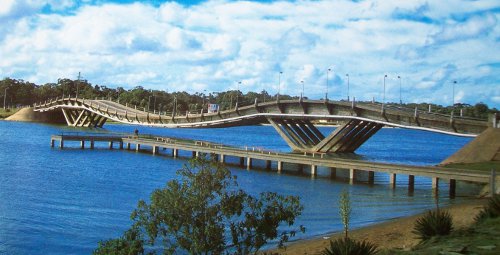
x,y
64,201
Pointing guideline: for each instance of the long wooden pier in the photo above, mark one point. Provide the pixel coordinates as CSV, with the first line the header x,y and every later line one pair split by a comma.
x,y
247,156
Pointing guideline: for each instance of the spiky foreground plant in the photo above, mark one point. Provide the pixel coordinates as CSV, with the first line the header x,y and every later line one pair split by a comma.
x,y
433,223
348,246
491,210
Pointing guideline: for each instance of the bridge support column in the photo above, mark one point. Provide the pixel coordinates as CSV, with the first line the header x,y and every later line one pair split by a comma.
x,y
300,168
333,172
268,164
280,166
61,144
175,153
121,145
137,147
92,144
222,158
155,150
249,163
435,183
452,189
352,175
411,183
371,177
52,143
128,146
392,180
314,170
111,145
242,162
82,144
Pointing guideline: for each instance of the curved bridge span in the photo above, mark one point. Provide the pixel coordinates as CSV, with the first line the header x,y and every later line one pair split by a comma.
x,y
294,120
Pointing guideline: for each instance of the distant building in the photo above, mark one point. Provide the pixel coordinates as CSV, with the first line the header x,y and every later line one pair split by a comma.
x,y
213,108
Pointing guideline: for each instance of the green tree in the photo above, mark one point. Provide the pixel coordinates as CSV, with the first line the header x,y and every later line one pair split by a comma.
x,y
204,212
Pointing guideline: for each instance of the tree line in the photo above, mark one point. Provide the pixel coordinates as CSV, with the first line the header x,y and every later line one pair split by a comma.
x,y
17,92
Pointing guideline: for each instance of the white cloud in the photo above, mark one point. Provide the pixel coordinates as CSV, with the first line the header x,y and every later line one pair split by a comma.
x,y
216,43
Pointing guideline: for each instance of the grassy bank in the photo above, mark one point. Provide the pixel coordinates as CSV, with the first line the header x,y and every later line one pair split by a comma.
x,y
481,238
4,113
482,166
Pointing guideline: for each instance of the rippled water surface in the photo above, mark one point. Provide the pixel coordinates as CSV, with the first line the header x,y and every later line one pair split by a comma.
x,y
64,201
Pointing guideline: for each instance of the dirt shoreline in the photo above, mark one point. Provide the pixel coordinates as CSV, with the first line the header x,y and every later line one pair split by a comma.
x,y
393,234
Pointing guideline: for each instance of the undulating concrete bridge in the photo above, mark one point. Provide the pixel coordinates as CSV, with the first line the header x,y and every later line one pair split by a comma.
x,y
294,120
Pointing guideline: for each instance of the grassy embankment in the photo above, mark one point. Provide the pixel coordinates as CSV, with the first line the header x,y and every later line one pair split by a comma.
x,y
4,113
480,238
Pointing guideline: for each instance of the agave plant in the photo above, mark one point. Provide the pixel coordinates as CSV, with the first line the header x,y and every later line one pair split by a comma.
x,y
433,223
491,210
348,246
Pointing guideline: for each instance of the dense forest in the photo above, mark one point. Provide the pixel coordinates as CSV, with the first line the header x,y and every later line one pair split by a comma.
x,y
15,93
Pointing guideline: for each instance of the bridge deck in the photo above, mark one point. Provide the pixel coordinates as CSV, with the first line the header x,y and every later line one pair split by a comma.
x,y
313,160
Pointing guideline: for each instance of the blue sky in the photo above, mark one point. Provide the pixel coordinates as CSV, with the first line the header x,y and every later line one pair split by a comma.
x,y
211,45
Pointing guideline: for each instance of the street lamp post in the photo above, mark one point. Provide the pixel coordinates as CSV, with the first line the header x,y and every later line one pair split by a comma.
x,y
326,91
400,100
238,93
347,86
383,98
302,94
77,84
154,103
279,85
454,83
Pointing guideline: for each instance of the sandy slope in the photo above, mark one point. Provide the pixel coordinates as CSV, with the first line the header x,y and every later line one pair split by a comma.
x,y
395,234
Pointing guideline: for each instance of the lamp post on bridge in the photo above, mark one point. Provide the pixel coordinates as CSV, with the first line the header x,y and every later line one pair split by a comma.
x,y
383,98
400,100
302,93
279,85
347,75
77,84
238,93
326,90
454,83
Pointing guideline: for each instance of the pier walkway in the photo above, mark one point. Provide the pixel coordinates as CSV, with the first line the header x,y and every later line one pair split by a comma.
x,y
304,161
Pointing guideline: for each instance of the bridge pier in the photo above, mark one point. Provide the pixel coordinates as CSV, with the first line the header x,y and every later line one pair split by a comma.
x,y
175,152
280,166
333,172
314,170
371,177
111,145
249,163
82,144
137,147
392,180
242,161
352,175
435,183
155,150
268,164
452,188
222,158
411,183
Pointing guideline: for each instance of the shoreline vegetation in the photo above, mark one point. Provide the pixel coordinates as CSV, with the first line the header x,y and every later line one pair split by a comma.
x,y
393,236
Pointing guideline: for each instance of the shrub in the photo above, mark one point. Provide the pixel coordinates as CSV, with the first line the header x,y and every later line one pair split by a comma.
x,y
491,210
348,246
433,223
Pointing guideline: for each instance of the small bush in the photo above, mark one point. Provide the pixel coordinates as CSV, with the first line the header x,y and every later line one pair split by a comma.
x,y
348,246
491,210
433,223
